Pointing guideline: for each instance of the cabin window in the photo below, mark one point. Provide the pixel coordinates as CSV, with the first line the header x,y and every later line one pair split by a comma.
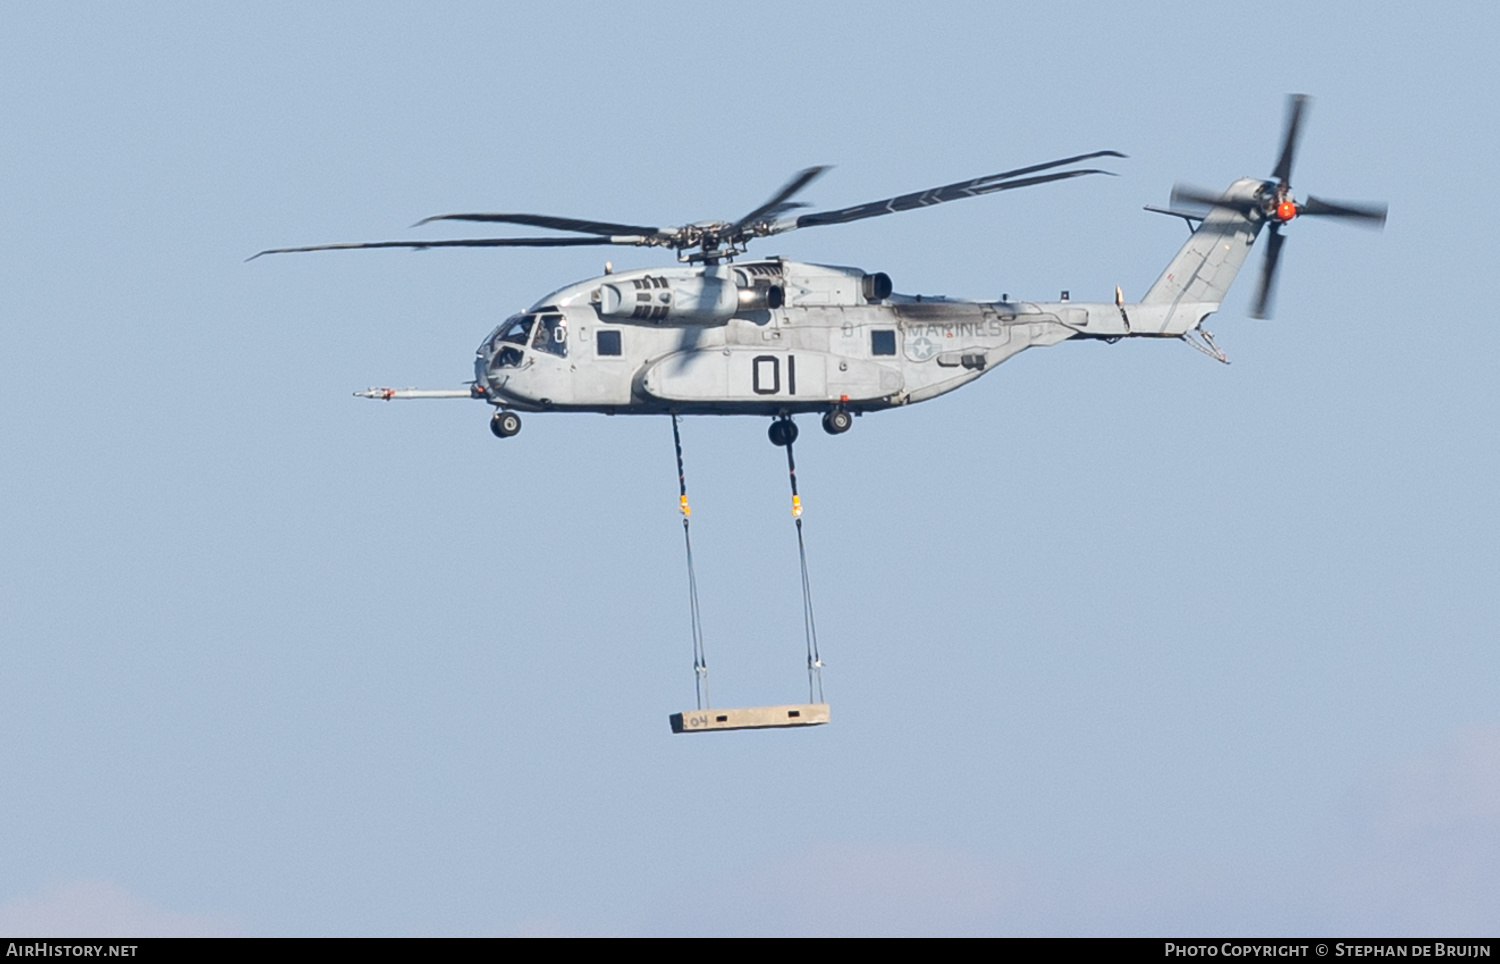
x,y
608,341
883,342
551,336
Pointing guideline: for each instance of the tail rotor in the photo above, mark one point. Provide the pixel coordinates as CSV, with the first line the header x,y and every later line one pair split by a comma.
x,y
1276,205
1284,206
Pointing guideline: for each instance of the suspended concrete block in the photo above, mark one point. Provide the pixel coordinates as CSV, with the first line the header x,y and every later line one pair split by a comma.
x,y
750,718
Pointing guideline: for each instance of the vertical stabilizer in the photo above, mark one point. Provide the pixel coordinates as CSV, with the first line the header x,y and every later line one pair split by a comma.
x,y
1208,263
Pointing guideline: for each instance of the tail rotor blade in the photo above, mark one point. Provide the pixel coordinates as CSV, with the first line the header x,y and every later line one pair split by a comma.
x,y
1186,194
1372,215
1296,104
1268,273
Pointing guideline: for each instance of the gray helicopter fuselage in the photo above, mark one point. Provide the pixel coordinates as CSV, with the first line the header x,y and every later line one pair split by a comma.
x,y
778,337
771,337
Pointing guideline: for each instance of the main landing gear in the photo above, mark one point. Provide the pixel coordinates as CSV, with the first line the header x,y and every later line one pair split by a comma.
x,y
783,430
837,422
505,424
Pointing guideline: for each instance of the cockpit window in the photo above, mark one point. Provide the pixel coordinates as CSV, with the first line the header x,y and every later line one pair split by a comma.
x,y
516,329
551,336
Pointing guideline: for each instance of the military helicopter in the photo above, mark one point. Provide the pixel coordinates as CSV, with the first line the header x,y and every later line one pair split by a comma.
x,y
722,334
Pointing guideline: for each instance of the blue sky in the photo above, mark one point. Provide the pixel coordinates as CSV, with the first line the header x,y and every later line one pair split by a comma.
x,y
1120,640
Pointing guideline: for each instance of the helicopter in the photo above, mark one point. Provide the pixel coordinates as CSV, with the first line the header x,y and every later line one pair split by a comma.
x,y
724,334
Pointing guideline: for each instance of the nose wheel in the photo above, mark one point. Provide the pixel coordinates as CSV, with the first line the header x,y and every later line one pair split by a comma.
x,y
783,432
837,422
505,424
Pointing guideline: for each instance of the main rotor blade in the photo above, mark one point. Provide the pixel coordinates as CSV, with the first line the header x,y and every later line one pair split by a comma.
x,y
1003,175
777,203
467,243
1371,214
1295,105
546,221
1187,194
1268,273
974,187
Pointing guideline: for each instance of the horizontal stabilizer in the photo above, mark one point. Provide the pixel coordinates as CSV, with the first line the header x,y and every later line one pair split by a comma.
x,y
1188,216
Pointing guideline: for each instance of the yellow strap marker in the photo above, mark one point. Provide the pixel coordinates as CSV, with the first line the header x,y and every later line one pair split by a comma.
x,y
796,506
683,505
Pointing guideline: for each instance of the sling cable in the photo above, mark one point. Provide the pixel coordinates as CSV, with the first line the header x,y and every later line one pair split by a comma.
x,y
706,718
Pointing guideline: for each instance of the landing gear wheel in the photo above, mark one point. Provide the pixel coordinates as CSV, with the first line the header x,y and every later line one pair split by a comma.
x,y
505,424
783,432
837,422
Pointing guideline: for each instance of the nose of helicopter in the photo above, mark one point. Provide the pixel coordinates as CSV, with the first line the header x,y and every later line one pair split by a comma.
x,y
509,377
